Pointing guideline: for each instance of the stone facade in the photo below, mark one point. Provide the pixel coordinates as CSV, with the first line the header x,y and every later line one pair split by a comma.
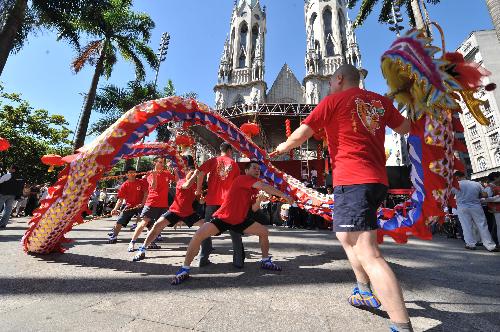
x,y
331,42
482,142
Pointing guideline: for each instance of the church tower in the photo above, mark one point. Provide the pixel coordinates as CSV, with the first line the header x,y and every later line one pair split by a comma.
x,y
241,70
331,42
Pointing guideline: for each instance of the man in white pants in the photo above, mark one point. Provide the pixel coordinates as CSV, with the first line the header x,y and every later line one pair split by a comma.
x,y
493,199
470,211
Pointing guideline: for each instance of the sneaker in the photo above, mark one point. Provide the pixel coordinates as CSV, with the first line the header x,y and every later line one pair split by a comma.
x,y
111,232
181,276
153,245
159,238
112,239
140,255
269,265
470,247
131,246
367,299
133,227
495,249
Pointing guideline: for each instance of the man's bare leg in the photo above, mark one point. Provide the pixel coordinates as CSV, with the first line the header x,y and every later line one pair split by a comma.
x,y
145,221
365,248
263,233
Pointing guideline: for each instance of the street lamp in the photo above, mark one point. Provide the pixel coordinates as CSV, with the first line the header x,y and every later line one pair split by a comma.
x,y
162,52
396,19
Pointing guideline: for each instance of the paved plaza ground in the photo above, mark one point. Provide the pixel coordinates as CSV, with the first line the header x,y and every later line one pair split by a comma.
x,y
95,286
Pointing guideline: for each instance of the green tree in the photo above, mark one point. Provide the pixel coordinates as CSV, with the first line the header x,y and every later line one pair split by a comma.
x,y
18,18
32,133
117,29
412,8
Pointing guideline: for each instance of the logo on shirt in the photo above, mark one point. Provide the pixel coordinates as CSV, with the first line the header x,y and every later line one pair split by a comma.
x,y
370,114
223,170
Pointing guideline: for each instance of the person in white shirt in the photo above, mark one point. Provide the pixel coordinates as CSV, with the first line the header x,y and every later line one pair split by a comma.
x,y
469,211
9,189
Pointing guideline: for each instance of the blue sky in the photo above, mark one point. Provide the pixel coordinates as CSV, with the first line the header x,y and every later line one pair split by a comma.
x,y
198,28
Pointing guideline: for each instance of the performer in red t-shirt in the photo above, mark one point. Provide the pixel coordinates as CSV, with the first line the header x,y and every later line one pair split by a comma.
x,y
221,172
232,215
157,201
133,192
180,210
355,121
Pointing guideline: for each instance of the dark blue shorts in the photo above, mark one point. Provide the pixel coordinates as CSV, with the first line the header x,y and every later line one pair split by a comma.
x,y
152,213
174,218
224,226
356,207
127,215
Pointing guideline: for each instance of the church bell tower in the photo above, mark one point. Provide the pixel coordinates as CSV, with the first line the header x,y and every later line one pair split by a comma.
x,y
331,42
240,78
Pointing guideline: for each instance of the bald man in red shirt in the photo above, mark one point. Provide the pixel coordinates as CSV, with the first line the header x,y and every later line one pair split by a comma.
x,y
354,121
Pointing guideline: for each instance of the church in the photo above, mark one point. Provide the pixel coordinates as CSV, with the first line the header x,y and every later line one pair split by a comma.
x,y
330,41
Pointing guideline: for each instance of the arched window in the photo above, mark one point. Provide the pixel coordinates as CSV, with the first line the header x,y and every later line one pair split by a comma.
x,y
497,158
327,28
255,35
239,100
243,45
481,163
342,25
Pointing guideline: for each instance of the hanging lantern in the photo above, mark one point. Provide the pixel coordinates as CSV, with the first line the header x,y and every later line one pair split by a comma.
x,y
4,144
184,140
250,129
53,160
288,128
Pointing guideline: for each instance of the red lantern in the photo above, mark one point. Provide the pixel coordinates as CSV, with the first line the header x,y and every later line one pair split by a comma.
x,y
288,128
184,140
250,129
4,144
52,160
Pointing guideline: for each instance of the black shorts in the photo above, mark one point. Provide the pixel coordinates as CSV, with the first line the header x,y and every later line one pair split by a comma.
x,y
152,213
126,216
224,226
175,218
355,207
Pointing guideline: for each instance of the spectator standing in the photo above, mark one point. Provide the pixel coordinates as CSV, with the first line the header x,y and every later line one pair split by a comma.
x,y
470,211
11,187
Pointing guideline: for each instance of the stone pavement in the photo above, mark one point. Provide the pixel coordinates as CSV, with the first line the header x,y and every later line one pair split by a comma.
x,y
95,286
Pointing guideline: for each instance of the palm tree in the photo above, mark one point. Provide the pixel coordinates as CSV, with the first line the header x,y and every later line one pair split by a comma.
x,y
494,9
117,29
19,17
412,8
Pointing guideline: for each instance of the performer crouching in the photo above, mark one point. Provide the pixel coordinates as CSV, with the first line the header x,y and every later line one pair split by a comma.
x,y
243,195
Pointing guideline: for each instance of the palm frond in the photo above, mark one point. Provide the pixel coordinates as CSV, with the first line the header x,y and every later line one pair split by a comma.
x,y
127,51
365,10
87,54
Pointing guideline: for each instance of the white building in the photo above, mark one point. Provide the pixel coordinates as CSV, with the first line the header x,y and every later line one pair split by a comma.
x,y
482,142
331,41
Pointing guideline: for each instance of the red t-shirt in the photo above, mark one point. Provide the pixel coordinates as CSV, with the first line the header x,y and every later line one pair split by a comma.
x,y
158,197
132,192
355,121
183,201
239,200
222,171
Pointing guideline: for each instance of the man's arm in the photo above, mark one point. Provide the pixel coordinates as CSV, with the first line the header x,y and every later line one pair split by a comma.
x,y
404,128
117,206
272,191
5,177
299,136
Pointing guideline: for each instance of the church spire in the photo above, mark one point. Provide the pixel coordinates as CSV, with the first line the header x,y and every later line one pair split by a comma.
x,y
241,70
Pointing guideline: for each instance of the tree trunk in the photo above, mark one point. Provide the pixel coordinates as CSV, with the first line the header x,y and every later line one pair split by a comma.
x,y
15,20
494,9
89,101
417,13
